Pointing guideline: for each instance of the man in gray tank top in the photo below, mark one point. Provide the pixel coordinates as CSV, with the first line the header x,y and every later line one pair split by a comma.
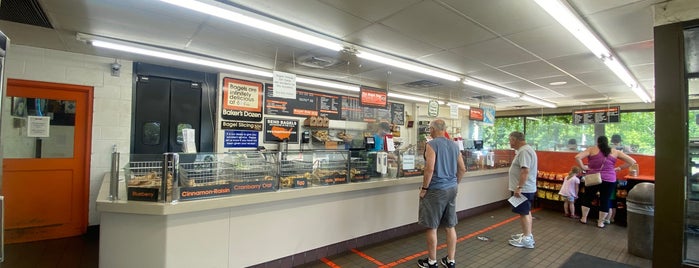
x,y
444,168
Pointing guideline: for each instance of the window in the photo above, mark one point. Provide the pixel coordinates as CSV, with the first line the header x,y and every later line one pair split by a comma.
x,y
151,133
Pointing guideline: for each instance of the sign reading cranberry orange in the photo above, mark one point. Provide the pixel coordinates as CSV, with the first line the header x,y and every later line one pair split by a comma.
x,y
242,100
373,97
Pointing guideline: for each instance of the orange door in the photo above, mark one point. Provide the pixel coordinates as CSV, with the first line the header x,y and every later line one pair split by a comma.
x,y
45,180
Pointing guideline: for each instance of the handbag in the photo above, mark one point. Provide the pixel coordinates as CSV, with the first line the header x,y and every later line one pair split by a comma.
x,y
594,178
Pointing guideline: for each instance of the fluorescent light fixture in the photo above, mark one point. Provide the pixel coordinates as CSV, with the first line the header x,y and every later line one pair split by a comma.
x,y
538,101
406,66
411,97
178,57
561,13
491,88
327,84
237,17
461,106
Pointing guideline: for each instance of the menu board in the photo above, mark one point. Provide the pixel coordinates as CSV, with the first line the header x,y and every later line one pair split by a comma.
x,y
351,110
398,114
307,103
596,115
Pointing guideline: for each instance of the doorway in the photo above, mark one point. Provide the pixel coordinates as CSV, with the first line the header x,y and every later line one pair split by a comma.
x,y
46,145
163,108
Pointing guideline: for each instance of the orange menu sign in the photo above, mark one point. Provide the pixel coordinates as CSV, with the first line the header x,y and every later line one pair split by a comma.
x,y
373,97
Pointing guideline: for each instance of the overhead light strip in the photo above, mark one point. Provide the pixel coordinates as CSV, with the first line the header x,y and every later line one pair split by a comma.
x,y
565,16
178,57
406,66
491,88
230,15
538,101
327,84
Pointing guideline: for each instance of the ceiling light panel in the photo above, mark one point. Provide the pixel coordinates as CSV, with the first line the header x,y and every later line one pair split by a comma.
x,y
227,13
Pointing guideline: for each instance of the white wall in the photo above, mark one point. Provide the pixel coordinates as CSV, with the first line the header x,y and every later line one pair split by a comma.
x,y
111,122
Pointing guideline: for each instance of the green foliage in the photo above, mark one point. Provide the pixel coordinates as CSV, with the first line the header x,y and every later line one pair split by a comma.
x,y
552,132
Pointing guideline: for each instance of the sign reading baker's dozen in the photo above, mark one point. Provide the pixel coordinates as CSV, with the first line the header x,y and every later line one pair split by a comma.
x,y
242,100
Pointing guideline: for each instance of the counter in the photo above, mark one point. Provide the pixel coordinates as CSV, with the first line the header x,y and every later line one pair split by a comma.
x,y
244,230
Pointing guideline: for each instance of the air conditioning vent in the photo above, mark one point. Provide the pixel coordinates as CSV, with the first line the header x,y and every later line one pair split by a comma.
x,y
25,12
318,62
422,84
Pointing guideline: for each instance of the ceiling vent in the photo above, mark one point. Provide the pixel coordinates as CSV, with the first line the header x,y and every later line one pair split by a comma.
x,y
422,84
25,12
318,62
484,98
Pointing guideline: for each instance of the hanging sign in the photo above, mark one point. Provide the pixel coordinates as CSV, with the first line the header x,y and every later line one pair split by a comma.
x,y
475,114
596,115
284,85
373,97
433,108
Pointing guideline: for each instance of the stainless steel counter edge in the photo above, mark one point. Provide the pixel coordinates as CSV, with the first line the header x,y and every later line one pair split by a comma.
x,y
103,204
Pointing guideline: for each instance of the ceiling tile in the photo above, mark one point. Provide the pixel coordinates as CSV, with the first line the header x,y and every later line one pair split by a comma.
x,y
371,10
309,14
494,52
532,70
455,62
493,76
548,42
580,63
503,16
433,24
382,38
631,23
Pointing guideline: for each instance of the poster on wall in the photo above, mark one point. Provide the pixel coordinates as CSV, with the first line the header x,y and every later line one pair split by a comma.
x,y
596,115
281,129
373,97
488,114
240,139
242,100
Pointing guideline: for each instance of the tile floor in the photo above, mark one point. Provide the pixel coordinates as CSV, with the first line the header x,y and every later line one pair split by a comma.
x,y
557,238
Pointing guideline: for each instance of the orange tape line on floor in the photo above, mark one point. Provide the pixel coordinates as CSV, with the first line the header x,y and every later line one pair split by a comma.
x,y
329,262
369,258
422,253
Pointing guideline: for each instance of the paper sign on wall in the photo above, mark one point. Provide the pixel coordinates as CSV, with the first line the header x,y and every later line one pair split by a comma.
x,y
38,126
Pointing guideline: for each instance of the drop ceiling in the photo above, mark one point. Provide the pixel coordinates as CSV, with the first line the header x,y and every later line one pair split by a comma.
x,y
510,43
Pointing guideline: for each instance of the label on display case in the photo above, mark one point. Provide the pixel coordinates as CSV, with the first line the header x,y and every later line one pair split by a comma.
x,y
142,194
253,187
188,193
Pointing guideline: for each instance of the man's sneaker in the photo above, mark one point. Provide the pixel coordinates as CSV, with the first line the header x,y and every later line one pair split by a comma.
x,y
424,263
523,242
447,264
516,236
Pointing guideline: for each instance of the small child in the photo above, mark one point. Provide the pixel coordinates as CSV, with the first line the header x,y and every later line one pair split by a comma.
x,y
569,191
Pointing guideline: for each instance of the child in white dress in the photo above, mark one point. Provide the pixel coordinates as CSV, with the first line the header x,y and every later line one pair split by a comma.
x,y
569,191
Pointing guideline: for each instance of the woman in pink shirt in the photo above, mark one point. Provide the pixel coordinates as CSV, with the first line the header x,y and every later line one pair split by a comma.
x,y
601,159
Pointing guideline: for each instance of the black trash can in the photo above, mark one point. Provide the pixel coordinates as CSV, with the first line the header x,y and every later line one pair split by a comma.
x,y
640,207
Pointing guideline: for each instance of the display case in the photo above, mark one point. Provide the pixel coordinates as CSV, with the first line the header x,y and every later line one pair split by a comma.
x,y
197,176
301,169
